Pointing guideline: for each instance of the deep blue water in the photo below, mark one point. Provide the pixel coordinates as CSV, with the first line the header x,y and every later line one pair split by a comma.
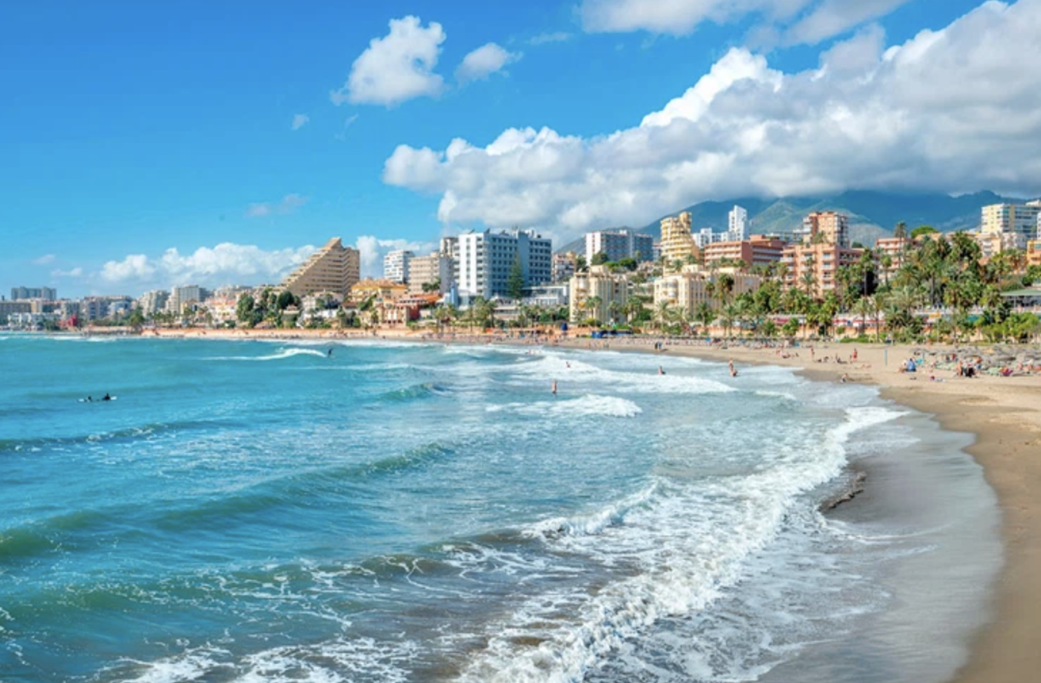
x,y
251,511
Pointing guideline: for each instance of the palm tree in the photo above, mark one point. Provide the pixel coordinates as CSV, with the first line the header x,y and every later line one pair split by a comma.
x,y
661,313
705,314
633,307
863,308
592,305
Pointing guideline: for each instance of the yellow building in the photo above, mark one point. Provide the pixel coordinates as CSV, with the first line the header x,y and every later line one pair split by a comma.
x,y
383,291
333,268
609,288
1034,252
689,288
677,242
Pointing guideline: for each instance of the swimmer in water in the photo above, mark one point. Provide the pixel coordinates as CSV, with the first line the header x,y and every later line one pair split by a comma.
x,y
554,387
661,370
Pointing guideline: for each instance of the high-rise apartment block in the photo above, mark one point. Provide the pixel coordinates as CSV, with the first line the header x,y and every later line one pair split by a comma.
x,y
619,244
485,260
429,270
395,265
45,293
677,243
1018,219
826,227
153,302
737,222
333,268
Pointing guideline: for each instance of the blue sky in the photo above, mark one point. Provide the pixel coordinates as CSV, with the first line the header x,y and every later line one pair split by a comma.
x,y
131,129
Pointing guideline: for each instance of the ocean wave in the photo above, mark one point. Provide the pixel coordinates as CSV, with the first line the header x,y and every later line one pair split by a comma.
x,y
281,355
416,391
588,405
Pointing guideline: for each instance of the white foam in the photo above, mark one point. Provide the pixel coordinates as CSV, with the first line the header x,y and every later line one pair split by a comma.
x,y
583,406
281,355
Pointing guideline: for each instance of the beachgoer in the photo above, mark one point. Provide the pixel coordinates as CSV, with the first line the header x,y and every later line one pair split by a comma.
x,y
330,352
554,387
90,400
661,370
844,378
106,397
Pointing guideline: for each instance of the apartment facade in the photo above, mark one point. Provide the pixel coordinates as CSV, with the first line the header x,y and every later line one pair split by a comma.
x,y
1017,219
396,265
563,266
619,244
153,302
427,270
332,268
757,251
380,290
737,224
689,288
897,249
485,260
677,243
825,226
23,293
609,288
822,260
1034,252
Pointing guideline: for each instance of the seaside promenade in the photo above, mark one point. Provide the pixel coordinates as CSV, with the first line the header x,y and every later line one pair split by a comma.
x,y
1004,414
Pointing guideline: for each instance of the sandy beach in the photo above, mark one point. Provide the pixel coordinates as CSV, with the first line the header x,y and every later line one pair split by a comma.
x,y
1004,414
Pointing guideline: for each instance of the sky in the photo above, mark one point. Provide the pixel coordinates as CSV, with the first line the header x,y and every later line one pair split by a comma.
x,y
146,145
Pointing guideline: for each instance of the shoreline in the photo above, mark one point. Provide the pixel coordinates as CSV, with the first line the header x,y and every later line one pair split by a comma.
x,y
1002,413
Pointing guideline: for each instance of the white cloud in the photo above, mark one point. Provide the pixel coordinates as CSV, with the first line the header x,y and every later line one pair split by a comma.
x,y
300,120
835,17
373,249
397,67
555,37
787,21
287,204
943,111
484,61
74,273
222,264
43,260
348,122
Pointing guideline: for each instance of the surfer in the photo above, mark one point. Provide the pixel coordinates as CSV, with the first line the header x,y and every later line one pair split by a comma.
x,y
90,400
330,353
107,397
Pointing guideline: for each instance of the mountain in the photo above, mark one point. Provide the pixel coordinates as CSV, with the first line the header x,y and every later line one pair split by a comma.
x,y
871,214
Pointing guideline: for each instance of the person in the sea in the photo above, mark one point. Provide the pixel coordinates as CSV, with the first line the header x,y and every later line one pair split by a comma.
x,y
733,370
90,400
661,370
330,352
106,397
554,387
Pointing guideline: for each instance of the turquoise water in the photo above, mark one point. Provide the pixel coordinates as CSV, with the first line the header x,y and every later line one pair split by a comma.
x,y
250,511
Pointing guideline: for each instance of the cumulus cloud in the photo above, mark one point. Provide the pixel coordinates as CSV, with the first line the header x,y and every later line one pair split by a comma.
x,y
372,250
397,67
943,111
787,21
43,260
300,120
222,264
484,61
287,204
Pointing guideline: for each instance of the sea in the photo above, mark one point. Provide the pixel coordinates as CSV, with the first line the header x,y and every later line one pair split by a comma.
x,y
265,511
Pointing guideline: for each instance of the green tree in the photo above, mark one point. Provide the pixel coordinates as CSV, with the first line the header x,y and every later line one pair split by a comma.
x,y
901,230
599,259
244,310
515,280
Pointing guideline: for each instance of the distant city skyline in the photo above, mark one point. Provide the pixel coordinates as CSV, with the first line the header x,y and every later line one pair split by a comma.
x,y
226,152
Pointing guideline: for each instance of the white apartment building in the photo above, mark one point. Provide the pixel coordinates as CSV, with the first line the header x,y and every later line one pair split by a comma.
x,y
181,296
737,221
619,244
153,302
689,288
395,265
486,258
